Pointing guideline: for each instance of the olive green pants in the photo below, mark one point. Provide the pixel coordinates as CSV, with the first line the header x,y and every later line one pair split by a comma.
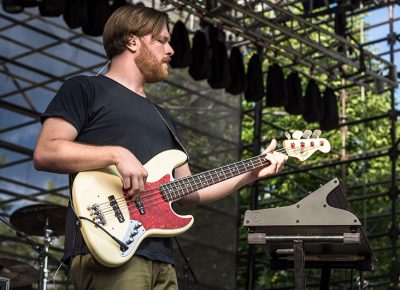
x,y
136,274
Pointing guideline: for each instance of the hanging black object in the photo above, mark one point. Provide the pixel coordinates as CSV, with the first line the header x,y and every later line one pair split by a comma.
x,y
214,34
313,108
98,13
200,69
51,8
238,77
12,6
340,21
295,103
119,3
180,43
276,87
254,77
330,119
220,76
30,3
310,5
75,13
17,6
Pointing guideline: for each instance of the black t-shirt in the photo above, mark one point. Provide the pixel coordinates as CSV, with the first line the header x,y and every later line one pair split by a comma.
x,y
105,112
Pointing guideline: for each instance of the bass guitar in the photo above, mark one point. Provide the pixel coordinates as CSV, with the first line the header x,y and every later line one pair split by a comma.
x,y
113,225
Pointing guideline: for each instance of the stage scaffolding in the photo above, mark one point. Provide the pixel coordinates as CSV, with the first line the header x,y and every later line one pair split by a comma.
x,y
284,33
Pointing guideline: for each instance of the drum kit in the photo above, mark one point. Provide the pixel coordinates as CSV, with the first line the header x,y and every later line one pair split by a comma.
x,y
44,220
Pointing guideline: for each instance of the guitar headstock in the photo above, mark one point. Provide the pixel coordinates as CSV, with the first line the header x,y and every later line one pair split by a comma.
x,y
302,149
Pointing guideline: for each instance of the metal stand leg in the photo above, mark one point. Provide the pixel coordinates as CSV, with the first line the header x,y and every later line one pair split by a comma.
x,y
299,271
325,278
44,251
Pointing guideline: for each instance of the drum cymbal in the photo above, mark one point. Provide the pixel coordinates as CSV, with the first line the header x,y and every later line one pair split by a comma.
x,y
32,219
19,273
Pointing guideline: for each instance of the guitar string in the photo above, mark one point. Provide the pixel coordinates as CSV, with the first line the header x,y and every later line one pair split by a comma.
x,y
152,200
131,203
152,197
183,190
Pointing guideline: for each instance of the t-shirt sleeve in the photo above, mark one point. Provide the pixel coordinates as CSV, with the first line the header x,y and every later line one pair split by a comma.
x,y
72,103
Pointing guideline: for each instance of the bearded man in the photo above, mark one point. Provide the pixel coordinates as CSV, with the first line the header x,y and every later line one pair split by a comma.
x,y
97,121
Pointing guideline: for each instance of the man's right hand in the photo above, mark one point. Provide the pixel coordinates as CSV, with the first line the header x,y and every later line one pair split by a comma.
x,y
133,173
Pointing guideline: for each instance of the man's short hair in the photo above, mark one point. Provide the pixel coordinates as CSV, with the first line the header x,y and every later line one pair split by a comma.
x,y
131,20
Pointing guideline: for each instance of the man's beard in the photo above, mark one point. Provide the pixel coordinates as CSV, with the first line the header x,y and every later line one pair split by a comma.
x,y
152,70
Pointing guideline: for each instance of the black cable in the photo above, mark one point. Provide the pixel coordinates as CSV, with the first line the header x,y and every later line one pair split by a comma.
x,y
123,246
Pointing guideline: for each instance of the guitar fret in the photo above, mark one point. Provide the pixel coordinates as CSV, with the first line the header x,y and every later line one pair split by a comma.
x,y
191,186
196,182
179,188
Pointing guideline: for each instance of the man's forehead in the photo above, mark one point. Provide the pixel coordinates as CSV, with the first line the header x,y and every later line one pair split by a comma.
x,y
164,33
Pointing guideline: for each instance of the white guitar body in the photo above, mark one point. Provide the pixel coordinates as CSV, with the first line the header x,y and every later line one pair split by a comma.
x,y
97,195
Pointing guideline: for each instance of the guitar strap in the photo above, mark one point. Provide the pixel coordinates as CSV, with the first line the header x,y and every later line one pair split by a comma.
x,y
172,131
77,222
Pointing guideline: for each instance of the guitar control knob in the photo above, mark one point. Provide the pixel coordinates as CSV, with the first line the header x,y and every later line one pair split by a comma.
x,y
138,225
134,233
130,241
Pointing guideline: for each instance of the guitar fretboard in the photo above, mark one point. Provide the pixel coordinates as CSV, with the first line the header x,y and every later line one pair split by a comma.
x,y
183,186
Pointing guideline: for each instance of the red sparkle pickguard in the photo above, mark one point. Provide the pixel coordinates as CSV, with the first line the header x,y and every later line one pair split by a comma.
x,y
158,213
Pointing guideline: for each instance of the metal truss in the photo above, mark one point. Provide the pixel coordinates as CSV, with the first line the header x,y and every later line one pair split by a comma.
x,y
292,40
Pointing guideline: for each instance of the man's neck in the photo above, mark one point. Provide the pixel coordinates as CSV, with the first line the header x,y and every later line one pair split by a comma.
x,y
127,75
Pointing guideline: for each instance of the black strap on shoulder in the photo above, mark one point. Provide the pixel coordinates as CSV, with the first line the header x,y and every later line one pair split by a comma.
x,y
172,131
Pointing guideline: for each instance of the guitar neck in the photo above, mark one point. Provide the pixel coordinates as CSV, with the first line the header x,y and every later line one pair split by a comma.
x,y
184,186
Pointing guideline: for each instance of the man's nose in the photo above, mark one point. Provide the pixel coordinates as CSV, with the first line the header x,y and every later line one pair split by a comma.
x,y
169,50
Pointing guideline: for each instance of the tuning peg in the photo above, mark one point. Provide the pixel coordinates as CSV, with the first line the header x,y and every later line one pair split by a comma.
x,y
316,133
288,136
307,134
297,135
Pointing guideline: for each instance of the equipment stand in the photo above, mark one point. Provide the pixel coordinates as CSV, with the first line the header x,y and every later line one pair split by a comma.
x,y
299,271
186,268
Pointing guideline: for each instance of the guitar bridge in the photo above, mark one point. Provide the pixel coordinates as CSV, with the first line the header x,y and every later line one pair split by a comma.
x,y
97,214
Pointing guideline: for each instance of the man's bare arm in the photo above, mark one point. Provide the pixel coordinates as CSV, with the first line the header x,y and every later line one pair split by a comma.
x,y
57,151
224,188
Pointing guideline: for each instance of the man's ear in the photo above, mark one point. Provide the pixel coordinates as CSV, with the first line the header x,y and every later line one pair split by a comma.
x,y
131,45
